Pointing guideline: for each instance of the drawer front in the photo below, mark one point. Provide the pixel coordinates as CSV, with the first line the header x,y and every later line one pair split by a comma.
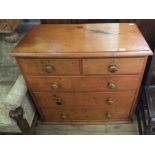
x,y
113,66
84,115
84,83
49,66
87,100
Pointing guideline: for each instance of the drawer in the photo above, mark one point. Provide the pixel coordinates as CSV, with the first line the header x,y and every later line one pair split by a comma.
x,y
49,66
86,115
113,65
83,83
103,100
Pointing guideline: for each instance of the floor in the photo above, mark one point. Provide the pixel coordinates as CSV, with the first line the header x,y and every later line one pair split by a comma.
x,y
108,129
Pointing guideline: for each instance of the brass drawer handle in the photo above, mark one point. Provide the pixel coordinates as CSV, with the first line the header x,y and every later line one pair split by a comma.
x,y
112,68
49,68
108,115
111,85
63,115
110,101
55,86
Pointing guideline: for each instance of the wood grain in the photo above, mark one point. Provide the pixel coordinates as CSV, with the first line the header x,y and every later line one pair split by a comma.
x,y
86,115
38,66
56,40
85,106
85,100
83,83
66,68
124,65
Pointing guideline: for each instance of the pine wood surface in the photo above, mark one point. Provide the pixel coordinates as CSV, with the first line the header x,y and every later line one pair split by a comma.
x,y
61,66
83,83
36,67
124,65
83,40
85,107
94,59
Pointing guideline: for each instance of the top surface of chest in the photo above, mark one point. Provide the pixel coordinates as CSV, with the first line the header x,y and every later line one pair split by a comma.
x,y
83,40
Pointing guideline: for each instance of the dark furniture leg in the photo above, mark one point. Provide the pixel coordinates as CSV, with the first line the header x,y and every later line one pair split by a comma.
x,y
17,115
146,114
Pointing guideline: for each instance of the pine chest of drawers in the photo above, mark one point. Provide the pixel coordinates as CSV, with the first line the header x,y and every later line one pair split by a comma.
x,y
83,73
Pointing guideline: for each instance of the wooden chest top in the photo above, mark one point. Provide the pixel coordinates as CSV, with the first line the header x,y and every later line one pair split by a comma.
x,y
83,40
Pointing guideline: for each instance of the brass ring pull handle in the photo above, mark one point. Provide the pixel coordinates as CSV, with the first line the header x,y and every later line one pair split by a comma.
x,y
110,101
55,86
63,116
108,115
49,68
112,68
111,85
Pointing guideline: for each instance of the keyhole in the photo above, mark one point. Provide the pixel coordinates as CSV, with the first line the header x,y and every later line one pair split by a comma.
x,y
58,102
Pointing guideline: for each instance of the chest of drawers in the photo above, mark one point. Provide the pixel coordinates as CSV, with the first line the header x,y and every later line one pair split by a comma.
x,y
83,73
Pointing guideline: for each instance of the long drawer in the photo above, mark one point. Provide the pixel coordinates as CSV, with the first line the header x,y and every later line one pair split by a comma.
x,y
84,115
113,66
83,83
85,100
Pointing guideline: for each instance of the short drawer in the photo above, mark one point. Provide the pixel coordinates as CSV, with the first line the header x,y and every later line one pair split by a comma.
x,y
49,66
83,83
84,100
113,65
